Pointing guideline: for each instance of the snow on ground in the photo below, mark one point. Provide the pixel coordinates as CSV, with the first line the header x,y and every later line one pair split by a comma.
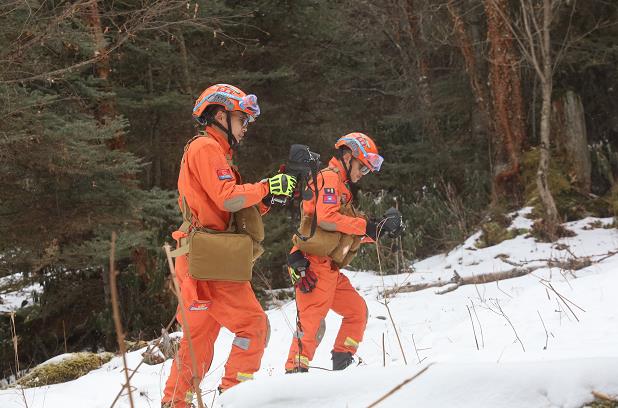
x,y
537,346
13,300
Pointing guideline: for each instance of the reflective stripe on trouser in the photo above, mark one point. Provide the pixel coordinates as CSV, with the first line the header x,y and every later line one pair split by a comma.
x,y
244,377
335,292
235,307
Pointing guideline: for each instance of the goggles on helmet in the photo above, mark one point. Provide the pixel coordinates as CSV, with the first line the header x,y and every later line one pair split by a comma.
x,y
247,103
373,159
244,119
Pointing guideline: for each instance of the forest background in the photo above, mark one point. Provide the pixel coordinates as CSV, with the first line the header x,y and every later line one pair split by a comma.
x,y
95,109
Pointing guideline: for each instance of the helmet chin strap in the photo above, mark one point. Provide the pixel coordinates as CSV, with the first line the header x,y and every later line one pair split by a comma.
x,y
230,136
345,166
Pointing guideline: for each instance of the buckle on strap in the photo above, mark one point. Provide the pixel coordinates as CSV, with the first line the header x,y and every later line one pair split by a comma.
x,y
183,247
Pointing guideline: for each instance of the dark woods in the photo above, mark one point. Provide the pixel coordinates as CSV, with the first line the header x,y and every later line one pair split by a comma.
x,y
468,99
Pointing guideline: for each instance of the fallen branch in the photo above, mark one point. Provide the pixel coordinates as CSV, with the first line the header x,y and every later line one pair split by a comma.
x,y
457,281
572,264
490,277
397,388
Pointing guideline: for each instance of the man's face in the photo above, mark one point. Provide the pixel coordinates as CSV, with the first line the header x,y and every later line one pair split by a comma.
x,y
355,170
239,120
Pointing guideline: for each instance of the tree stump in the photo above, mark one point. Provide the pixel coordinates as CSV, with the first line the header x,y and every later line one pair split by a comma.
x,y
569,128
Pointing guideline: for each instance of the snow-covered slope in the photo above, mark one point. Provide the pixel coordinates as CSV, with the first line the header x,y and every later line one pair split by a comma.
x,y
546,339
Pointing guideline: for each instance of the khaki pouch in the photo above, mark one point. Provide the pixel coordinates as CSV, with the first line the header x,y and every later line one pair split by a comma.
x,y
352,251
321,244
348,245
220,256
249,221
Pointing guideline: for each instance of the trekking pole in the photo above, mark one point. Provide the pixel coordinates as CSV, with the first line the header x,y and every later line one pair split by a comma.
x,y
185,327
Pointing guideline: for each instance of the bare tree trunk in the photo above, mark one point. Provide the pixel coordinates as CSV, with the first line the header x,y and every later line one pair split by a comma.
x,y
551,212
420,50
500,105
507,103
479,88
187,86
105,108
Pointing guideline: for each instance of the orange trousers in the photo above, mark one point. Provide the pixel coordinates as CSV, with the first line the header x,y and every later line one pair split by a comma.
x,y
234,306
335,292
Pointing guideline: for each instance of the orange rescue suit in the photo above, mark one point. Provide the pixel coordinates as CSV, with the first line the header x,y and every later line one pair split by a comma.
x,y
213,189
333,290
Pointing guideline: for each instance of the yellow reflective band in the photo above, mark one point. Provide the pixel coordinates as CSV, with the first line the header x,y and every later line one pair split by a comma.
x,y
304,361
350,342
244,376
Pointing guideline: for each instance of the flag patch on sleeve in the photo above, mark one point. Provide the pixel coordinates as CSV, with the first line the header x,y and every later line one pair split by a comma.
x,y
224,174
329,191
330,199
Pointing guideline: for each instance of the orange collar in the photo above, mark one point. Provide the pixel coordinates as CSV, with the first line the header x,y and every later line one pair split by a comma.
x,y
335,163
221,138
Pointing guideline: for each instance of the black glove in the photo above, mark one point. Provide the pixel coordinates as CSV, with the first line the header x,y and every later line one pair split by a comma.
x,y
391,224
276,201
301,276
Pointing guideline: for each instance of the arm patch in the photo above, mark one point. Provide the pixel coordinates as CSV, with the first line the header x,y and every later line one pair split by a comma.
x,y
224,174
329,199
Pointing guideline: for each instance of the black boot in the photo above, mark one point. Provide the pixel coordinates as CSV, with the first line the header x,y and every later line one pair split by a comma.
x,y
341,359
297,370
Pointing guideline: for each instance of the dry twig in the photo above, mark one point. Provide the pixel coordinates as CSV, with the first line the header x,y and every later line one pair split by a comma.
x,y
385,303
473,329
416,350
496,303
117,318
185,327
479,323
546,334
398,387
149,349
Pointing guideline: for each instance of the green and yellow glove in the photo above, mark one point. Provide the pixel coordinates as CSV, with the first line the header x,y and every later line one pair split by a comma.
x,y
282,185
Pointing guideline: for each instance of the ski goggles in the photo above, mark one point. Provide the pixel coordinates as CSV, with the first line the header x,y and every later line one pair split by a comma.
x,y
249,105
244,119
373,159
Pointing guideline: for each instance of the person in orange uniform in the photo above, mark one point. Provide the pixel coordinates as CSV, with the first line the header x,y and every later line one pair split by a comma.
x,y
213,190
319,284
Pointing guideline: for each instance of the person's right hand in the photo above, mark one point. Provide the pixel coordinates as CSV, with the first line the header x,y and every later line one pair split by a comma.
x,y
281,184
391,224
301,276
